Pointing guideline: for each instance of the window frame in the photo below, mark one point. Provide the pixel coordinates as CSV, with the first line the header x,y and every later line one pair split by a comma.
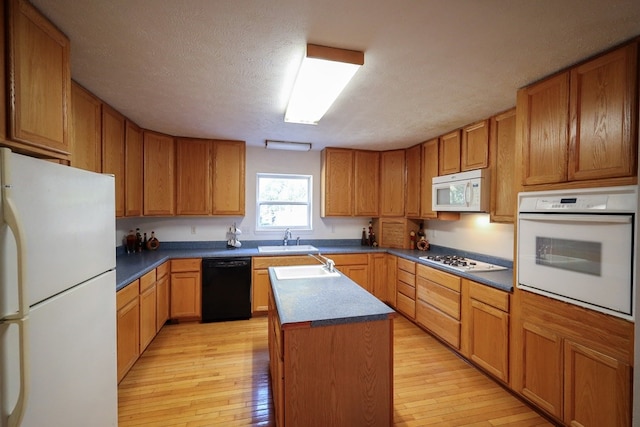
x,y
308,203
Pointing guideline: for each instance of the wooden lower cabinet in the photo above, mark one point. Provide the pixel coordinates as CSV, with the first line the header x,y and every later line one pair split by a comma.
x,y
162,295
392,280
128,328
316,373
406,288
355,267
378,276
186,289
147,309
574,363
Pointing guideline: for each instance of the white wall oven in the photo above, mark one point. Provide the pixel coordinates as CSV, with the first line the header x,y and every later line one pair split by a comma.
x,y
579,246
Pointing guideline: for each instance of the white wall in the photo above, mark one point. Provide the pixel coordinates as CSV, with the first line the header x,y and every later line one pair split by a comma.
x,y
214,228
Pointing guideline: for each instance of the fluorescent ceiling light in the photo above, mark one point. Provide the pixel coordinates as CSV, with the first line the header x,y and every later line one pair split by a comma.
x,y
286,145
323,74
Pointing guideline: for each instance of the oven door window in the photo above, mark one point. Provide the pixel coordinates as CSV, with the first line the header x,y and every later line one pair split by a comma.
x,y
585,259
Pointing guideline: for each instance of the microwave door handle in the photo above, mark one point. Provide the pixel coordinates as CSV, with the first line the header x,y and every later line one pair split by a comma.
x,y
611,219
467,194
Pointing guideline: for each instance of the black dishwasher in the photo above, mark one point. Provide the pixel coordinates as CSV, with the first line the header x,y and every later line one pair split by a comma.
x,y
226,289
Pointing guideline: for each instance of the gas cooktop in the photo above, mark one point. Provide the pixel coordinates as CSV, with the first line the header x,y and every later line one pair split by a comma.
x,y
460,263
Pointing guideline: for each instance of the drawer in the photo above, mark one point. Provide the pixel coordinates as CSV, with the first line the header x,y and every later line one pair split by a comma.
x,y
444,326
494,297
440,277
147,280
440,297
125,295
408,278
406,305
187,264
406,265
407,290
349,259
162,271
274,261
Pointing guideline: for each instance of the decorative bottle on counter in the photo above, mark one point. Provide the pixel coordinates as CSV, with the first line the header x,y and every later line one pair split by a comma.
x,y
131,242
364,241
144,242
138,240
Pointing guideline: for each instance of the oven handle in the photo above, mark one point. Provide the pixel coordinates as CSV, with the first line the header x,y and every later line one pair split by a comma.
x,y
603,219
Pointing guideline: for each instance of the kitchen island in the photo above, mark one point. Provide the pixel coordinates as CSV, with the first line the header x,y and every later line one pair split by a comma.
x,y
331,353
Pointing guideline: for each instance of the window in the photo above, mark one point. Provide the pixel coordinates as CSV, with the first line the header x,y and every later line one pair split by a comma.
x,y
283,201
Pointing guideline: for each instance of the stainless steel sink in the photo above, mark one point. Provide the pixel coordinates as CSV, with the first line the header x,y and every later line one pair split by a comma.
x,y
304,272
291,248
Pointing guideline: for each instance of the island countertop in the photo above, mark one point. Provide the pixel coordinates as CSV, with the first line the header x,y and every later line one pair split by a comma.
x,y
325,301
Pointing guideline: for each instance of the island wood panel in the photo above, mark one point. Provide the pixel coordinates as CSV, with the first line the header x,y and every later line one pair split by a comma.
x,y
39,73
603,100
502,149
86,129
159,174
349,365
413,164
193,176
449,153
133,164
474,151
228,178
113,152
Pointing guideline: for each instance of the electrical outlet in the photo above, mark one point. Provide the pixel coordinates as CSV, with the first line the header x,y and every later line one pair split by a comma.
x,y
193,229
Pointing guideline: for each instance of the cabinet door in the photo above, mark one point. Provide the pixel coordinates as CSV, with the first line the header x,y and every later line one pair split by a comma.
x,y
185,295
133,158
543,112
604,116
147,316
260,291
449,154
392,183
489,339
429,169
128,328
39,82
366,166
86,129
378,276
392,279
597,389
162,300
357,273
503,169
159,174
413,165
113,151
193,176
336,182
475,146
542,368
228,178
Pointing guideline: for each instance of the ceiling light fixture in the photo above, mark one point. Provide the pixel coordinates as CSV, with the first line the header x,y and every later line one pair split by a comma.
x,y
323,74
286,145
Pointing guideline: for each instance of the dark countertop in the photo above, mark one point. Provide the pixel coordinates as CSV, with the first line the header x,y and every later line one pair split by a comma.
x,y
130,267
325,301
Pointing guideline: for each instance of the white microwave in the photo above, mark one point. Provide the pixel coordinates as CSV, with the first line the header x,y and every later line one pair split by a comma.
x,y
461,192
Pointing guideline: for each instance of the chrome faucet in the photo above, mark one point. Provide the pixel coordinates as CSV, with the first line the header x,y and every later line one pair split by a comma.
x,y
287,236
327,262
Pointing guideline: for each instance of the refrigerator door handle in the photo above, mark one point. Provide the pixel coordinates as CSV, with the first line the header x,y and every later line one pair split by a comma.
x,y
15,417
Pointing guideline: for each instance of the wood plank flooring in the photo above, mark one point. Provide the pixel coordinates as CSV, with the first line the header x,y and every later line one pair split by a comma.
x,y
216,374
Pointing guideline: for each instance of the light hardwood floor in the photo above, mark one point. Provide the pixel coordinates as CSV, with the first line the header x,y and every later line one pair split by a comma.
x,y
216,374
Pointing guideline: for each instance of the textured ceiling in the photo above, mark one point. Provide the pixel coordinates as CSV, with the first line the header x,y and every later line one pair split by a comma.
x,y
222,68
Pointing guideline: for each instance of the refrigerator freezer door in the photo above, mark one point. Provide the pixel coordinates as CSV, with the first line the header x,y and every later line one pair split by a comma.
x,y
68,216
73,380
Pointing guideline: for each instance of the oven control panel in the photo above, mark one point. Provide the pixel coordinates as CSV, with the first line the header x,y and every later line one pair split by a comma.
x,y
583,202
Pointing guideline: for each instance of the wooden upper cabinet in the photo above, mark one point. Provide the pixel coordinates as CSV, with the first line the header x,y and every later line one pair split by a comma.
x,y
413,165
475,146
39,83
503,167
366,177
193,176
336,182
229,178
113,151
392,182
159,174
449,153
544,111
428,170
603,112
133,162
86,129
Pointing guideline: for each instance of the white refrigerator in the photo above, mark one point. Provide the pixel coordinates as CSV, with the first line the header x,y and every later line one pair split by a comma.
x,y
57,295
